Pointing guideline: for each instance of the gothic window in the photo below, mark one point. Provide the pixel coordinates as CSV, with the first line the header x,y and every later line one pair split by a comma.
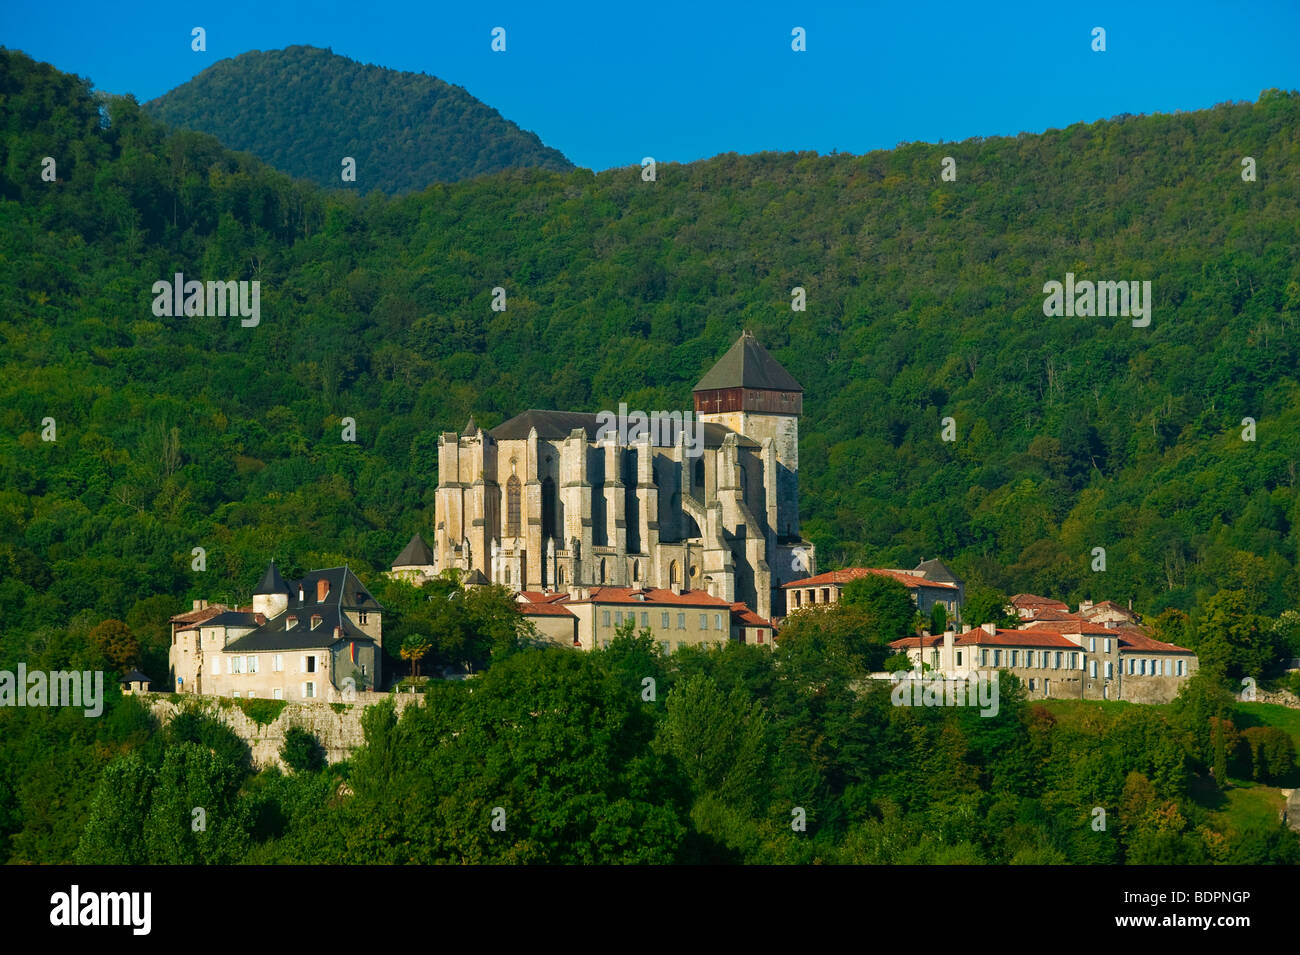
x,y
562,577
548,509
674,575
636,570
698,480
602,570
512,507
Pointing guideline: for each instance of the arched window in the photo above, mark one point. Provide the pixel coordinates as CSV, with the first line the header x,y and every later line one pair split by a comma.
x,y
562,577
697,482
509,577
636,570
674,575
602,570
512,506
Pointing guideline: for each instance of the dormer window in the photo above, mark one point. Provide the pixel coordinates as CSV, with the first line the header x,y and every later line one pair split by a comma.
x,y
290,622
315,620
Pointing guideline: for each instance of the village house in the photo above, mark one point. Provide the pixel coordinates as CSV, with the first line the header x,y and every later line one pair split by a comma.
x,y
929,583
1063,656
589,617
319,638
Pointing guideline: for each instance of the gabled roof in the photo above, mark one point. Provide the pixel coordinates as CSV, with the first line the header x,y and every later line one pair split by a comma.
x,y
556,425
935,569
415,554
475,578
135,676
272,582
747,364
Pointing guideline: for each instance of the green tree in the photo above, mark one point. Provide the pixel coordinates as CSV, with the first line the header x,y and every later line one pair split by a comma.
x,y
302,751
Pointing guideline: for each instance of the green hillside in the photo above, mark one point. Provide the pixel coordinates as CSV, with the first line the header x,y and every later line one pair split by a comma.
x,y
924,301
302,109
129,439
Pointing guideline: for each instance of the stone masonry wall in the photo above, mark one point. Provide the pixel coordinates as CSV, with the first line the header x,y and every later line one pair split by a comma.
x,y
337,726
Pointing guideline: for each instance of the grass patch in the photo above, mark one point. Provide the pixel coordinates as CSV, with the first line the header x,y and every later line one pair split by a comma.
x,y
262,712
1269,714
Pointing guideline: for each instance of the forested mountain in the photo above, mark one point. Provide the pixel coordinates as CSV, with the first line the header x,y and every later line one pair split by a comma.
x,y
303,109
924,301
128,439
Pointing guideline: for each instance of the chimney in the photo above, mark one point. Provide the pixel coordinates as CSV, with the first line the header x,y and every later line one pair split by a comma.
x,y
300,599
965,628
198,605
338,633
990,628
322,590
675,587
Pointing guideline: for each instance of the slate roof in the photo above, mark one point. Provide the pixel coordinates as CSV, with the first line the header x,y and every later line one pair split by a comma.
x,y
275,635
233,618
747,364
272,582
346,592
935,569
135,676
556,425
415,554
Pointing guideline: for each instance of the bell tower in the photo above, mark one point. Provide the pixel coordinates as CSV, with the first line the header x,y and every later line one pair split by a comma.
x,y
750,392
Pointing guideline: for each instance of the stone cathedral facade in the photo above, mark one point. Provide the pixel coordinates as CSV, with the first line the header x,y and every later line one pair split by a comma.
x,y
547,501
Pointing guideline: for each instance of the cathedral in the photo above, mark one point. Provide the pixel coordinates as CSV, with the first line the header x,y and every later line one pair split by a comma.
x,y
552,501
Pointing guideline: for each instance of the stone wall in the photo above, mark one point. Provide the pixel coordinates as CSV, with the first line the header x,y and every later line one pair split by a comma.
x,y
336,726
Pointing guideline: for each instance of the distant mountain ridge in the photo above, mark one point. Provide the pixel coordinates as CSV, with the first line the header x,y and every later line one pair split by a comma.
x,y
303,109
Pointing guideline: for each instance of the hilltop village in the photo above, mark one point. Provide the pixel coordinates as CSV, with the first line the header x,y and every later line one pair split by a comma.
x,y
695,539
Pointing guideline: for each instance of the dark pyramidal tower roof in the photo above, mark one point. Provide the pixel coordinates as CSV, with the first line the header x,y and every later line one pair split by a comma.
x,y
272,582
415,554
747,364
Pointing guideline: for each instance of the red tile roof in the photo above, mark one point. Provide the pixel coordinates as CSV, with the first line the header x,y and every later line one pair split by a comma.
x,y
1052,615
1108,605
749,618
1134,638
1072,624
627,595
198,616
1031,601
544,609
1003,638
906,578
543,597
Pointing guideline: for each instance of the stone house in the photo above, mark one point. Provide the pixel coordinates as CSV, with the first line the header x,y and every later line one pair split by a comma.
x,y
926,591
319,638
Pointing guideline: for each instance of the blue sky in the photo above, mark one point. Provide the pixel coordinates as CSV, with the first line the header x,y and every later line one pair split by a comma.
x,y
612,82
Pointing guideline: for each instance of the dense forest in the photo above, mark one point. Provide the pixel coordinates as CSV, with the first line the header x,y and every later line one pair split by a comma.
x,y
622,755
303,109
129,439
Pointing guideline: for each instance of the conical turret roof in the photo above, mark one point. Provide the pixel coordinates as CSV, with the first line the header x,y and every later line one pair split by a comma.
x,y
415,554
272,582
